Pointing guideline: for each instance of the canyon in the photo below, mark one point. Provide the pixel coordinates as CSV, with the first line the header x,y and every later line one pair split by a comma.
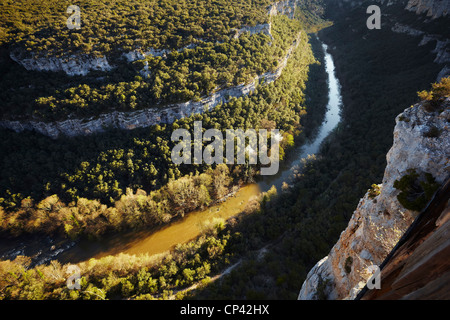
x,y
146,117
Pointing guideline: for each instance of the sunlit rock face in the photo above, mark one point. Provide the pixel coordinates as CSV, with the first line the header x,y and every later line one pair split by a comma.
x,y
378,222
147,117
74,65
151,116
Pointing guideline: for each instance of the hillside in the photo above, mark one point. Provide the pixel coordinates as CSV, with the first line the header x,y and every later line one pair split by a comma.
x,y
129,56
419,155
380,72
87,118
425,23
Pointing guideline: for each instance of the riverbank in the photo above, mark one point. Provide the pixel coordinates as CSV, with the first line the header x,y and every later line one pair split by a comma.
x,y
165,238
190,227
218,246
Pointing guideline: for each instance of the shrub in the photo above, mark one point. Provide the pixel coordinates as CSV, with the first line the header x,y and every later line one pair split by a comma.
x,y
433,98
348,264
433,132
416,190
374,191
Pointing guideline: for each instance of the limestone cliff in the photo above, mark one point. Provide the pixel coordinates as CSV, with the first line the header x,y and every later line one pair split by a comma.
x,y
421,142
433,8
72,65
150,116
147,117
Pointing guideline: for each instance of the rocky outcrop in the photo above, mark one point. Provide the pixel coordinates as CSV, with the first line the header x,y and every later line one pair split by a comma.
x,y
419,266
81,64
380,220
264,28
442,48
445,72
442,51
432,8
168,114
286,7
72,65
147,117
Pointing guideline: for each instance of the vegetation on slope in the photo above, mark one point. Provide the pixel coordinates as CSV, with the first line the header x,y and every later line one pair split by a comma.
x,y
202,54
281,104
37,170
380,73
300,225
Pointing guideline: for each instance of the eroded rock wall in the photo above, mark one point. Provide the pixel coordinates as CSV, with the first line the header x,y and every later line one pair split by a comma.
x,y
378,223
73,65
146,117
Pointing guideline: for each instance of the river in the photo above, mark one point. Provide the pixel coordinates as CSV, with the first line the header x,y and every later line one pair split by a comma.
x,y
331,120
194,223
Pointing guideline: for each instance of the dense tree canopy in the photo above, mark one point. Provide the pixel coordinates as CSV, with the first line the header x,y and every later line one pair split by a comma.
x,y
296,228
102,167
202,53
122,25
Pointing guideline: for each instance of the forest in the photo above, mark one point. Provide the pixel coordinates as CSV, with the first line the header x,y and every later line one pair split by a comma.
x,y
202,54
38,172
142,277
87,186
296,227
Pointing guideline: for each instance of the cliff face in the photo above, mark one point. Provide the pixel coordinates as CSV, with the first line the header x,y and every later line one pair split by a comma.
x,y
146,117
151,116
79,65
433,8
379,221
286,7
419,266
426,10
442,49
